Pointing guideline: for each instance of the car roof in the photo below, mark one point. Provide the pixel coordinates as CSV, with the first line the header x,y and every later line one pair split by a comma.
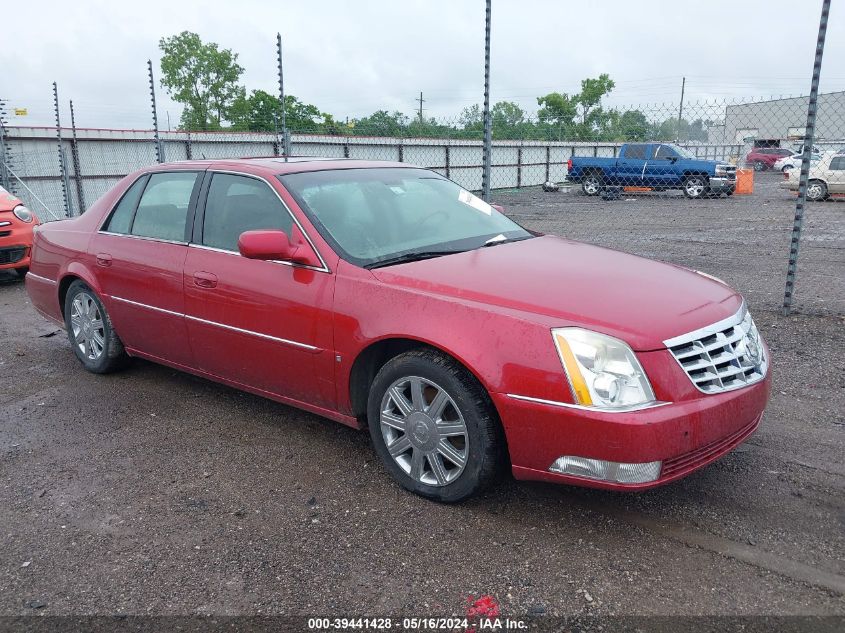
x,y
280,165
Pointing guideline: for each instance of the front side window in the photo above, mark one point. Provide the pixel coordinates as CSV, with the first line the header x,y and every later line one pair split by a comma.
x,y
666,151
120,220
636,151
371,216
237,204
163,210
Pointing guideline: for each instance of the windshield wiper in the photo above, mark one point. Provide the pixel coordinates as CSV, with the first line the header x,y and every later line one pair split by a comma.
x,y
410,257
501,239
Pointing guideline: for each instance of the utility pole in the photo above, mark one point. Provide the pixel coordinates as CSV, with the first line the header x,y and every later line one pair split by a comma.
x,y
488,133
421,108
681,107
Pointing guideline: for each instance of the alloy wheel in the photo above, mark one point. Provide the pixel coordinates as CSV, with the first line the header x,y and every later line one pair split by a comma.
x,y
591,185
86,322
424,431
694,187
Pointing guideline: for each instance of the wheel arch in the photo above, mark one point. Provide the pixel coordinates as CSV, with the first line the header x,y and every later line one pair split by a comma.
x,y
374,356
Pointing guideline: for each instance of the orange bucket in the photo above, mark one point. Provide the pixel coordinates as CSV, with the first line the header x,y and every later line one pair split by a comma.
x,y
636,189
744,181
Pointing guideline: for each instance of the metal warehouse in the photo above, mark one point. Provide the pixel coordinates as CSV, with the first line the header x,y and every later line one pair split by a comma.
x,y
778,120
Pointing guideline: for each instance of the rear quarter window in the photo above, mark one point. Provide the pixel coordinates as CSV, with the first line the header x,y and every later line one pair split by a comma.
x,y
120,219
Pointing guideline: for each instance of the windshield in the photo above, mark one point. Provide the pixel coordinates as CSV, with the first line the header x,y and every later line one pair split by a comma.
x,y
379,214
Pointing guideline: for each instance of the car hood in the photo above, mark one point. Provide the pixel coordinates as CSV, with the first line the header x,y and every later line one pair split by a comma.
x,y
559,282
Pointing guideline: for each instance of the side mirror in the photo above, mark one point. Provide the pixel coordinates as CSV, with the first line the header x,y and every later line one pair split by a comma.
x,y
273,244
266,244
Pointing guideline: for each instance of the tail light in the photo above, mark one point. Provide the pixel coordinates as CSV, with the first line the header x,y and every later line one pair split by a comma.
x,y
569,165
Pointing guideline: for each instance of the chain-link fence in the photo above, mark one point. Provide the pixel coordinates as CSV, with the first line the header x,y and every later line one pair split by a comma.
x,y
714,189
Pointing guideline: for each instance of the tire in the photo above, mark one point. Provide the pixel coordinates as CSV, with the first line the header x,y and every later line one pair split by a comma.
x,y
695,186
401,423
592,183
729,193
22,271
759,165
816,190
90,331
786,168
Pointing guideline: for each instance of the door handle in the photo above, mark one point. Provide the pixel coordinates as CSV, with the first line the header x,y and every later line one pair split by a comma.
x,y
103,259
205,280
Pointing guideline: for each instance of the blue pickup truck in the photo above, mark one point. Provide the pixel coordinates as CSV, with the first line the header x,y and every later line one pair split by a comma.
x,y
660,166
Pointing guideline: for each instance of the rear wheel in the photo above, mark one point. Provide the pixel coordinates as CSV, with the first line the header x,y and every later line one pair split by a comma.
x,y
434,427
90,331
592,184
816,190
759,165
695,186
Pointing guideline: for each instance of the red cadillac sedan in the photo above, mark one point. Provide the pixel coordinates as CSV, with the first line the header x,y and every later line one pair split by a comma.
x,y
385,296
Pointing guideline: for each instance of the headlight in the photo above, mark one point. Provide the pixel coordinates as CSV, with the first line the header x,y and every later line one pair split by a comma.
x,y
603,372
22,213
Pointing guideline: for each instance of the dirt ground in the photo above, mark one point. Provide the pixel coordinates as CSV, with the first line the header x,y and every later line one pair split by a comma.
x,y
153,492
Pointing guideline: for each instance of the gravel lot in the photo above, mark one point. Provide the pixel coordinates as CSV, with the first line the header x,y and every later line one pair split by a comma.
x,y
153,492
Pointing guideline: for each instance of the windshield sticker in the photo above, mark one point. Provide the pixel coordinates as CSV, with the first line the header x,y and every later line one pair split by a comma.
x,y
475,202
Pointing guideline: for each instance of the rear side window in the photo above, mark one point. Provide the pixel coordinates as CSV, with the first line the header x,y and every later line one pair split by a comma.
x,y
636,151
837,163
163,210
237,204
121,218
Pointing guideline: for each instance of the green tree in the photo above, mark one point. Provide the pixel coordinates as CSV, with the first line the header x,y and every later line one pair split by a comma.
x,y
382,123
260,112
579,116
200,76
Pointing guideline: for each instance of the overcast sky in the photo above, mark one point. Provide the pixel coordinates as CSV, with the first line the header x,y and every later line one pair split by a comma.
x,y
350,58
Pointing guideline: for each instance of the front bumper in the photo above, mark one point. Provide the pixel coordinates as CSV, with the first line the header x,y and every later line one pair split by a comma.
x,y
722,183
15,242
14,256
684,436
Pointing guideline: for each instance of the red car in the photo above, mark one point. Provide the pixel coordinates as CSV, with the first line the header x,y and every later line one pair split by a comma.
x,y
16,225
384,295
762,158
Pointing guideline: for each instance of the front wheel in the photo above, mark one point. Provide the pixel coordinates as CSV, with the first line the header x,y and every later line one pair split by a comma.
x,y
22,271
759,165
90,331
434,427
816,190
695,186
592,184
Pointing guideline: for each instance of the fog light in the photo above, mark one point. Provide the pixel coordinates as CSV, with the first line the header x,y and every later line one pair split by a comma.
x,y
618,472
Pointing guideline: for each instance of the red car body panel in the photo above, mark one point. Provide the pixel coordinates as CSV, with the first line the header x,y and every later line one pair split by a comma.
x,y
293,333
14,233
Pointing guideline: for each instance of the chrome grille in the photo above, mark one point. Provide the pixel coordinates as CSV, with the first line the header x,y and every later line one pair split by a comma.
x,y
724,356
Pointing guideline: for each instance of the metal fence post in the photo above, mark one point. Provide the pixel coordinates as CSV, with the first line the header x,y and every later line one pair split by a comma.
x,y
488,132
809,135
548,162
285,137
189,151
519,167
5,179
62,158
159,147
74,154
